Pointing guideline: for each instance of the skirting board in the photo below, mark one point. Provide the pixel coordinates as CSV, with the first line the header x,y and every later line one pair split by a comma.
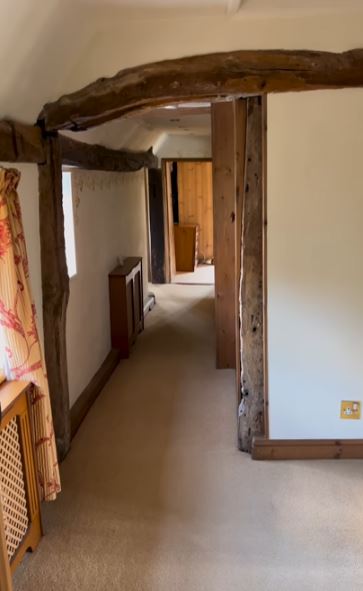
x,y
306,449
83,404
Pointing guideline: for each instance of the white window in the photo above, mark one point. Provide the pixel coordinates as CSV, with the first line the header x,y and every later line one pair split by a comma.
x,y
69,235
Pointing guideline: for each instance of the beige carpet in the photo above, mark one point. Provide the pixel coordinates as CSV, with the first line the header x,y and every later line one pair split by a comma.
x,y
157,498
202,275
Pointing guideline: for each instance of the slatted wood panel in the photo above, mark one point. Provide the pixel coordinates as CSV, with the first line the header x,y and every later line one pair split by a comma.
x,y
20,524
12,488
195,197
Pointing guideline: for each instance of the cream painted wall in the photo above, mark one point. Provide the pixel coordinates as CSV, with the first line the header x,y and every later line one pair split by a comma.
x,y
109,49
29,202
315,273
110,217
184,146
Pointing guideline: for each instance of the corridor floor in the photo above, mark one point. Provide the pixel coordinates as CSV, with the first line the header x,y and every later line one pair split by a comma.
x,y
156,496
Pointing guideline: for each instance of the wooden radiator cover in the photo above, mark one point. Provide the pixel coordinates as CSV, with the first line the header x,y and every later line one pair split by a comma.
x,y
19,493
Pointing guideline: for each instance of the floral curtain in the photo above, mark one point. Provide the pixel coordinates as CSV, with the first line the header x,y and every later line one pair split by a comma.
x,y
18,324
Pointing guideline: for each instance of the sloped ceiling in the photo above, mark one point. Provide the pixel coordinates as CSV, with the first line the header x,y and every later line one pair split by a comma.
x,y
150,128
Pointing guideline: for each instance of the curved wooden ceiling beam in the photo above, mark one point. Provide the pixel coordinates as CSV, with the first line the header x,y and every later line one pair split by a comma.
x,y
202,77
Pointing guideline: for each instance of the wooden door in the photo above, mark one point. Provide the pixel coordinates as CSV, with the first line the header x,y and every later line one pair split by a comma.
x,y
195,198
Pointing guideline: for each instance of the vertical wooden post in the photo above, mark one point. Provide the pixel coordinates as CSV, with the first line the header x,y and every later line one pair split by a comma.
x,y
157,225
224,218
240,148
251,410
5,572
168,222
55,286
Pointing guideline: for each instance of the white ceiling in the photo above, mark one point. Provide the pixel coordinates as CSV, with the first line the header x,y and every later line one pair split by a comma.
x,y
148,128
181,119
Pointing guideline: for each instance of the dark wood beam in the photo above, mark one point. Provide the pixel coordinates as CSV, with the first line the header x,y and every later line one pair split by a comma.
x,y
21,143
55,288
96,157
203,77
252,406
157,225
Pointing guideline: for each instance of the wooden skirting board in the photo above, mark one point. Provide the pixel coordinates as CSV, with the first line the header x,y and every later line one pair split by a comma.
x,y
83,404
307,449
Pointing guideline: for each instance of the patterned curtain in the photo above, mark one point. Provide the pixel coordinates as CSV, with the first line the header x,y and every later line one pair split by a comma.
x,y
18,324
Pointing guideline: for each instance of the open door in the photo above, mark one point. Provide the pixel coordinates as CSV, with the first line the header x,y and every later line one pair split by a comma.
x,y
189,215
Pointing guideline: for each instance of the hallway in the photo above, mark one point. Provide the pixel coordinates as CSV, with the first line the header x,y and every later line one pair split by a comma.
x,y
156,496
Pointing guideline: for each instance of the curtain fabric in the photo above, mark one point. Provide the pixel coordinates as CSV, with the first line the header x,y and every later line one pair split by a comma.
x,y
18,324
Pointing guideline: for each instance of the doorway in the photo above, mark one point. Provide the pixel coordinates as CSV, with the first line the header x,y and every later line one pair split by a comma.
x,y
188,194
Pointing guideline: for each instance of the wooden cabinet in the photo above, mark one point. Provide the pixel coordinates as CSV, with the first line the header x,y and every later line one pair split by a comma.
x,y
186,247
126,304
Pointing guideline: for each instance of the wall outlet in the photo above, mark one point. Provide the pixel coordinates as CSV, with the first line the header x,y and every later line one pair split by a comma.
x,y
350,409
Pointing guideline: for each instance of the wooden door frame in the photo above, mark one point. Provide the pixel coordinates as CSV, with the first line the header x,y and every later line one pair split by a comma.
x,y
168,214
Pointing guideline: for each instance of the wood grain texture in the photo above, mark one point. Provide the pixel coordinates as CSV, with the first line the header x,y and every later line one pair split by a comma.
x,y
264,266
307,449
205,77
185,237
168,221
126,304
224,214
21,143
240,147
195,198
251,414
96,157
91,392
55,289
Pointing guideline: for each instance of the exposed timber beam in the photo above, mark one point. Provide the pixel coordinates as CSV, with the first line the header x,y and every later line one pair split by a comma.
x,y
20,142
252,406
240,157
96,157
55,288
203,77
